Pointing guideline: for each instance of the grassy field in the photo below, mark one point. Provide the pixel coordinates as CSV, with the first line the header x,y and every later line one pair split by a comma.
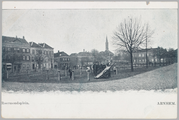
x,y
141,79
42,77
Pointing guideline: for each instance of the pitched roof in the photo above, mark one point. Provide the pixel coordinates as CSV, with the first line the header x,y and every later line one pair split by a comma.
x,y
73,54
84,54
144,50
33,44
62,54
44,45
6,39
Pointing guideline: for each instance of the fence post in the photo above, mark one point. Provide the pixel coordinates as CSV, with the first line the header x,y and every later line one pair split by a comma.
x,y
72,77
116,71
7,74
88,76
59,77
47,75
80,71
65,72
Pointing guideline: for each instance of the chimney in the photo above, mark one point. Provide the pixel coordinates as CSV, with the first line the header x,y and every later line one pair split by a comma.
x,y
58,51
83,50
23,37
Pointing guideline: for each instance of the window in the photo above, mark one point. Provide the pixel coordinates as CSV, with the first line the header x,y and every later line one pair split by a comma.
x,y
142,55
139,55
23,50
156,60
134,60
27,57
32,58
3,49
23,57
28,66
8,49
27,50
152,59
33,51
23,66
161,59
18,50
8,57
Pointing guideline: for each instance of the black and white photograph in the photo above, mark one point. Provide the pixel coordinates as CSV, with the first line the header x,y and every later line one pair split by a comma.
x,y
89,60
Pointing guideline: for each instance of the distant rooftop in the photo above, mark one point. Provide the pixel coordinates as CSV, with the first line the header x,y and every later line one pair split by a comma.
x,y
33,44
144,50
44,45
6,39
58,54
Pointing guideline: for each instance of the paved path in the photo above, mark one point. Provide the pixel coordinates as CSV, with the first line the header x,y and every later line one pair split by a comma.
x,y
162,78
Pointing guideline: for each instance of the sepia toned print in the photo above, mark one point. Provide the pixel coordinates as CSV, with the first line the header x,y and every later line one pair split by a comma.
x,y
66,62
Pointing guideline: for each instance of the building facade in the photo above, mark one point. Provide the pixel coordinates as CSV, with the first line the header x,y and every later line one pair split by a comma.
x,y
42,56
21,56
139,56
16,53
48,62
85,59
62,60
81,59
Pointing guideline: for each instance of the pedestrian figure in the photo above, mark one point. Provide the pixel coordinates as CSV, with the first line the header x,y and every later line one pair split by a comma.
x,y
94,69
88,72
115,70
70,71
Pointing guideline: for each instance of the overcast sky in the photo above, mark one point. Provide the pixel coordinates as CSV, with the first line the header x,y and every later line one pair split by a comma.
x,y
74,30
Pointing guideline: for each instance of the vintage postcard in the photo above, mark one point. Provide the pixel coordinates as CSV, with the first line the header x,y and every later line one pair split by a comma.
x,y
89,60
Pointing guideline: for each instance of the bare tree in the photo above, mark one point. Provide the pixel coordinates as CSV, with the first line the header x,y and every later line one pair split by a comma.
x,y
130,35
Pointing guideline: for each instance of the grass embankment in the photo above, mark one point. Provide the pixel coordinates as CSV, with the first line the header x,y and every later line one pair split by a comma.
x,y
161,78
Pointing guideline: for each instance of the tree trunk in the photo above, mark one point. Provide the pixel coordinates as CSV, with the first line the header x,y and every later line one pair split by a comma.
x,y
131,62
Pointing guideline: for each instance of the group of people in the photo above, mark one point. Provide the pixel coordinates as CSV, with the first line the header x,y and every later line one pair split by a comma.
x,y
98,68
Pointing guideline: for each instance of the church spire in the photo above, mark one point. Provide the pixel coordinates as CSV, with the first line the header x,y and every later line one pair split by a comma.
x,y
107,44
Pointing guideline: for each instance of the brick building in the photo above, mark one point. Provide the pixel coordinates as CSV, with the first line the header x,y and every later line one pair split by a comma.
x,y
21,56
16,53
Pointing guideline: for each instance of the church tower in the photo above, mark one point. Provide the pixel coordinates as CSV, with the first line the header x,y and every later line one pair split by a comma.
x,y
107,49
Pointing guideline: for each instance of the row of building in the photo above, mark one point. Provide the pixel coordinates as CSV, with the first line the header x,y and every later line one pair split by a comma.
x,y
18,55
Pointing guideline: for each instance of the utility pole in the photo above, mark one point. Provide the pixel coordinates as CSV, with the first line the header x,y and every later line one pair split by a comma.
x,y
146,48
